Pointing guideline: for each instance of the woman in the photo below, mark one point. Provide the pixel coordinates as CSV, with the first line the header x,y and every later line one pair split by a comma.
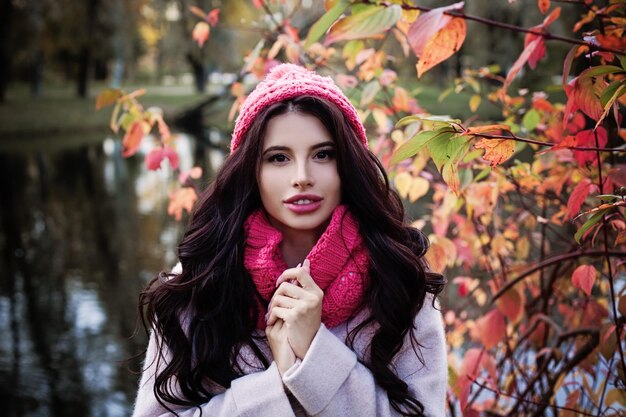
x,y
302,290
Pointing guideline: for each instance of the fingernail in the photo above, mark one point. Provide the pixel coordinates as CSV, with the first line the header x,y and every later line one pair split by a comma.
x,y
266,316
299,265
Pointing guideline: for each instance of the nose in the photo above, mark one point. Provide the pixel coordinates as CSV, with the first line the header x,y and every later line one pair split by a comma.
x,y
302,177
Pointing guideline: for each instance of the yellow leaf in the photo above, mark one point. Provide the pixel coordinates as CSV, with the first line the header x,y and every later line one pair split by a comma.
x,y
496,150
419,188
474,102
107,97
442,46
616,395
403,183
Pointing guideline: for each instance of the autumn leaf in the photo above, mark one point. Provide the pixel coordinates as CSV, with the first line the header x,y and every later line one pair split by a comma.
x,y
578,197
496,150
200,33
435,36
182,199
477,130
511,304
198,12
584,93
371,21
584,277
490,329
587,138
156,156
194,173
213,17
474,102
544,6
132,138
107,97
534,50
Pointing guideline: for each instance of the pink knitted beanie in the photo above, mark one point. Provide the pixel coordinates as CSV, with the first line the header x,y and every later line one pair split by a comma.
x,y
286,81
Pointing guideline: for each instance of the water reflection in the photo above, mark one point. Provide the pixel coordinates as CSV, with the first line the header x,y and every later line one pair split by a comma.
x,y
81,233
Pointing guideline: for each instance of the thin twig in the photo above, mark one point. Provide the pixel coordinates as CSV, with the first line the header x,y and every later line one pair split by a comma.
x,y
552,261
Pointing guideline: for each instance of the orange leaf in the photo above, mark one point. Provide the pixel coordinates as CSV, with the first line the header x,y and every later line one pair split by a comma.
x,y
519,63
490,329
511,304
584,277
427,25
435,36
200,33
132,139
475,130
496,150
198,12
544,6
584,93
107,97
180,200
443,45
578,197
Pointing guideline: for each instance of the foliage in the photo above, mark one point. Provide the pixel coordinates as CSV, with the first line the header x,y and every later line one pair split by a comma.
x,y
526,213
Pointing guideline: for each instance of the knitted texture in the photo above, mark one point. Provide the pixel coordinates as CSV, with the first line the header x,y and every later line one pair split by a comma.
x,y
286,81
339,263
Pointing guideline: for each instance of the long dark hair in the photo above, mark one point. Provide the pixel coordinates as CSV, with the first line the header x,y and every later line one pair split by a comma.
x,y
205,314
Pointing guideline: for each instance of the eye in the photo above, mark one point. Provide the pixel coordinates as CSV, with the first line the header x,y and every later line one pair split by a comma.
x,y
277,158
325,154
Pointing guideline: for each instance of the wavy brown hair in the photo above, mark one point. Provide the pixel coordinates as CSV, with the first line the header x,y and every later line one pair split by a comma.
x,y
204,315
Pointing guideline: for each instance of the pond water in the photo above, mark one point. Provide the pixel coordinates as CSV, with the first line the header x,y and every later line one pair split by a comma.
x,y
81,233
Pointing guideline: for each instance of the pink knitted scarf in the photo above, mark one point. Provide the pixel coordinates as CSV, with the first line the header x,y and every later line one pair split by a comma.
x,y
339,264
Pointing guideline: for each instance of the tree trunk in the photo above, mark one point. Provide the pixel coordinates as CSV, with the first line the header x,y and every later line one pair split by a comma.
x,y
84,60
6,17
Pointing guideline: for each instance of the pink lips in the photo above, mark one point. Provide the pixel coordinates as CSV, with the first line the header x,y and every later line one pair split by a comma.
x,y
315,203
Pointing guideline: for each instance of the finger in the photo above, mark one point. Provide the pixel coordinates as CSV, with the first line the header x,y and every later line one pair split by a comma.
x,y
300,274
278,314
291,290
307,265
280,300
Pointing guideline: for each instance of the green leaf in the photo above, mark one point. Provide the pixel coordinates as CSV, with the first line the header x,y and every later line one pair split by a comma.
x,y
597,216
622,61
113,123
407,120
413,145
456,148
609,92
372,21
531,120
446,147
369,92
320,27
482,174
600,70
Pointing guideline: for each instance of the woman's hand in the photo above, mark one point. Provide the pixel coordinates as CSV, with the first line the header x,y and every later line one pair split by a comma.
x,y
299,305
281,351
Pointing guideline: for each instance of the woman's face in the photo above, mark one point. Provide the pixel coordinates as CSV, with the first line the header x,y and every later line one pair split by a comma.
x,y
298,179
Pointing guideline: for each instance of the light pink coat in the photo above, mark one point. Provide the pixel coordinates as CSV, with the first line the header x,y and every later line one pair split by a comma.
x,y
329,382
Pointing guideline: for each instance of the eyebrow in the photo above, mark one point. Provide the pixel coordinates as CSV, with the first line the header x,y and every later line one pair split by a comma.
x,y
286,148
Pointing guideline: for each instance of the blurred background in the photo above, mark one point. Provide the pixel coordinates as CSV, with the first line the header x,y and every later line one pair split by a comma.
x,y
82,230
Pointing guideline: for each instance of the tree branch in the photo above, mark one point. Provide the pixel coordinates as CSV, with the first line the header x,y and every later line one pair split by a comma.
x,y
552,261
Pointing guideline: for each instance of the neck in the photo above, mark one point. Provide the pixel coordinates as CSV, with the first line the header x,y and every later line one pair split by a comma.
x,y
296,246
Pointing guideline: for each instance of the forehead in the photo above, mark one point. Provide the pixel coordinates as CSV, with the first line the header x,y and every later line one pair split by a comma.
x,y
295,130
